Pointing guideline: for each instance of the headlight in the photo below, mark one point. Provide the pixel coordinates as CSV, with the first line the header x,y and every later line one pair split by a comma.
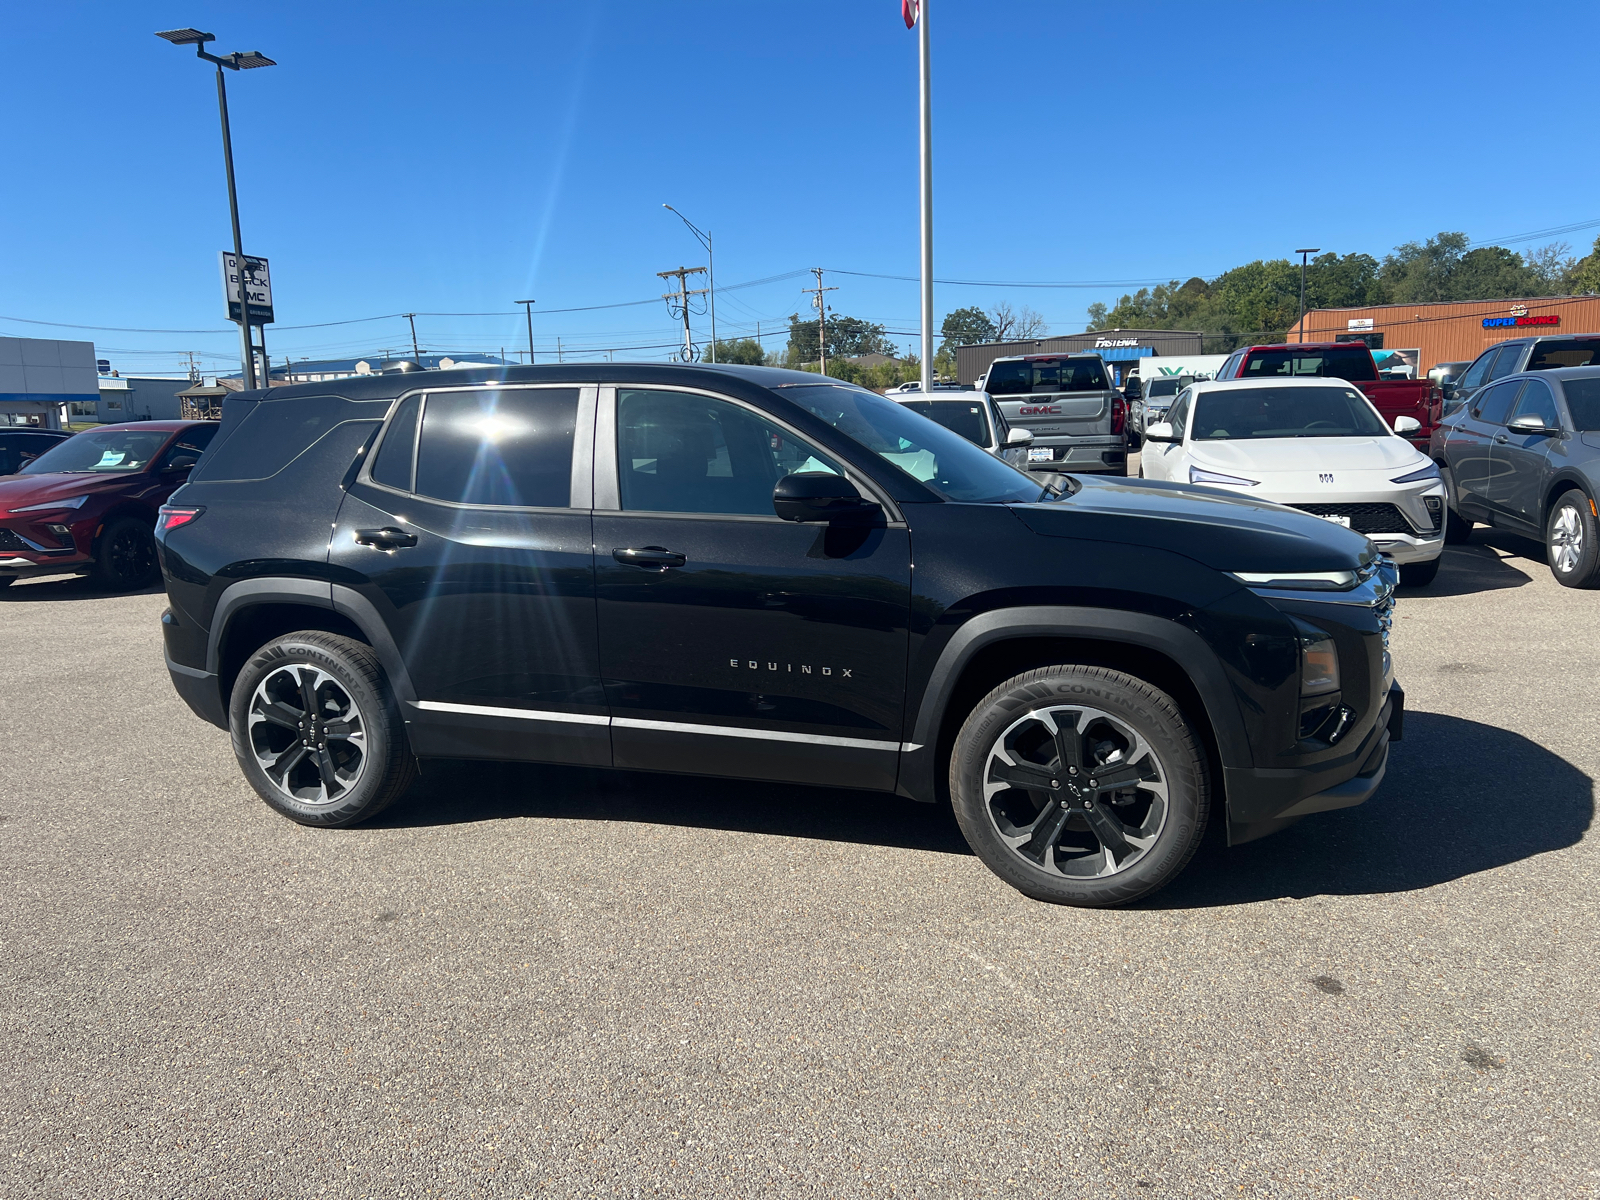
x,y
1309,581
1196,475
1431,471
74,502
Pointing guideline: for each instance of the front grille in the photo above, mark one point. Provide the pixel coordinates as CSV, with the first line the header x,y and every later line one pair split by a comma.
x,y
1364,518
10,541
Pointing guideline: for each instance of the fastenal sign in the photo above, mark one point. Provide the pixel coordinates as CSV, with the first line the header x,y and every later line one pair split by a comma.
x,y
259,287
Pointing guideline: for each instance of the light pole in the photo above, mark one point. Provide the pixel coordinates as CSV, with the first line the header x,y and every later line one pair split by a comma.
x,y
711,273
237,61
527,306
1303,254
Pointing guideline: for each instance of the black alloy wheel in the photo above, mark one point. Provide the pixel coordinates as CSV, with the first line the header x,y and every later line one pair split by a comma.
x,y
1080,785
317,730
1572,540
125,556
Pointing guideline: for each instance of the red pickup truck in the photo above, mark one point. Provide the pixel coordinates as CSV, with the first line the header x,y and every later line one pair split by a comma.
x,y
1352,361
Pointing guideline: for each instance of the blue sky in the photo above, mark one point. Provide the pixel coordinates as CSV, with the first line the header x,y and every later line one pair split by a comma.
x,y
455,158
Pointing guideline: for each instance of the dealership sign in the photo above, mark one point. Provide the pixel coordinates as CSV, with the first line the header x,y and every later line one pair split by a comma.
x,y
1359,324
1504,322
259,287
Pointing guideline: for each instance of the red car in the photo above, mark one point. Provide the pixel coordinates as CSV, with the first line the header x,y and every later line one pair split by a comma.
x,y
88,504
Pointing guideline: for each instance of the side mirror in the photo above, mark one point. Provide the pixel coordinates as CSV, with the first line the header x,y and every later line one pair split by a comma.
x,y
817,496
183,462
1406,424
1530,426
1019,437
1161,431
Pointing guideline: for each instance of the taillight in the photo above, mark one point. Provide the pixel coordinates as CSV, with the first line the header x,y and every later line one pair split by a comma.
x,y
174,516
1119,414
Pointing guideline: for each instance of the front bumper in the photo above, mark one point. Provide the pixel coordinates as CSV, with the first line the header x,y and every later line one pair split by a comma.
x,y
1264,801
18,567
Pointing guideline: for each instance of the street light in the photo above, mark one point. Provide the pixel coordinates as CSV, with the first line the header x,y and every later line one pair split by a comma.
x,y
1302,254
711,274
237,61
527,306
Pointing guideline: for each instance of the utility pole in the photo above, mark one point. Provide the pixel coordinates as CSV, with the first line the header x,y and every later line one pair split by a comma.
x,y
416,354
527,307
821,302
1303,254
680,299
704,237
558,351
925,60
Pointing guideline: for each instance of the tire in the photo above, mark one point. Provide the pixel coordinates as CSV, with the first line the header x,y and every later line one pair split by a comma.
x,y
124,556
347,769
1047,841
1572,540
1419,574
1457,529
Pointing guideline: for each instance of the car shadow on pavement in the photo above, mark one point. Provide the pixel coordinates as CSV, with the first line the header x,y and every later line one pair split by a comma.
x,y
1459,798
449,793
51,588
1476,567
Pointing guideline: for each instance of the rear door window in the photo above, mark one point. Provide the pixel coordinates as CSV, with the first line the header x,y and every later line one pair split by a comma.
x,y
1583,403
191,444
509,447
1479,369
1505,362
392,466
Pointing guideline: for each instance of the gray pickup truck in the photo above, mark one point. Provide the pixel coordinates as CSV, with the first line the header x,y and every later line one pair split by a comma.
x,y
1078,419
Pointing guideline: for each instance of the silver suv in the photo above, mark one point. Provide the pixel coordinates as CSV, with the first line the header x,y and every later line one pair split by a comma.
x,y
1078,419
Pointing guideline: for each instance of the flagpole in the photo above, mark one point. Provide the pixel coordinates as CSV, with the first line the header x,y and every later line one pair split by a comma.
x,y
926,88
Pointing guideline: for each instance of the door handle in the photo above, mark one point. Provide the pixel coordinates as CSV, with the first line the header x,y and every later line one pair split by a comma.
x,y
1500,437
650,558
387,540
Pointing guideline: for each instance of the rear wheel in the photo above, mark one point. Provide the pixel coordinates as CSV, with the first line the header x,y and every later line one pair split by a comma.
x,y
1457,529
317,730
1572,540
1419,574
1080,785
124,556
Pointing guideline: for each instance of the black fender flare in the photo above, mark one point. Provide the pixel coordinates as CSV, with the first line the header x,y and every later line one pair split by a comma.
x,y
1178,643
347,602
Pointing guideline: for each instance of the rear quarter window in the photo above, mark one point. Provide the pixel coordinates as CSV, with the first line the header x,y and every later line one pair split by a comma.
x,y
271,434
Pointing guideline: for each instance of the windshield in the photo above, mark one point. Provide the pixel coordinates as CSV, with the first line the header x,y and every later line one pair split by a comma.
x,y
1583,402
105,452
958,416
1021,377
929,453
1353,364
1246,414
1161,389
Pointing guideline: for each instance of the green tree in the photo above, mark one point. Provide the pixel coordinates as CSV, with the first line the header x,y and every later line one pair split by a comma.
x,y
966,327
846,336
1584,279
746,351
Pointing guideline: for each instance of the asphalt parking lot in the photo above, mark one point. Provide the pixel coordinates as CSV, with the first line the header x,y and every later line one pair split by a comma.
x,y
543,981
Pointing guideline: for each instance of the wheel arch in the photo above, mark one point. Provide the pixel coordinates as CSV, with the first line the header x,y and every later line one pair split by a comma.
x,y
1558,486
994,646
252,612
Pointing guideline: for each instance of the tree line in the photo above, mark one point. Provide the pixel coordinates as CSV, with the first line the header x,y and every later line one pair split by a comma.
x,y
1260,301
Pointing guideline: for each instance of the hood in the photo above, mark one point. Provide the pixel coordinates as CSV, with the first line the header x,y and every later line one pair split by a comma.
x,y
1297,456
22,491
1591,439
1219,529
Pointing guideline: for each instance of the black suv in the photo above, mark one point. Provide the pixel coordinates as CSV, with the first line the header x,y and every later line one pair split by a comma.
x,y
756,573
1521,354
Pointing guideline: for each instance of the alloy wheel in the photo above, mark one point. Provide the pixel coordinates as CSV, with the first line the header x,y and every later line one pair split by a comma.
x,y
307,734
131,554
1075,792
1566,539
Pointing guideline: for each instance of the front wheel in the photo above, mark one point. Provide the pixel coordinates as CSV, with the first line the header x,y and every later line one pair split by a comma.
x,y
1080,785
1419,574
1572,540
317,730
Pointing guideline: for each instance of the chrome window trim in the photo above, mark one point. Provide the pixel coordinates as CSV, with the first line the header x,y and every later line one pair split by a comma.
x,y
582,486
522,714
608,486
